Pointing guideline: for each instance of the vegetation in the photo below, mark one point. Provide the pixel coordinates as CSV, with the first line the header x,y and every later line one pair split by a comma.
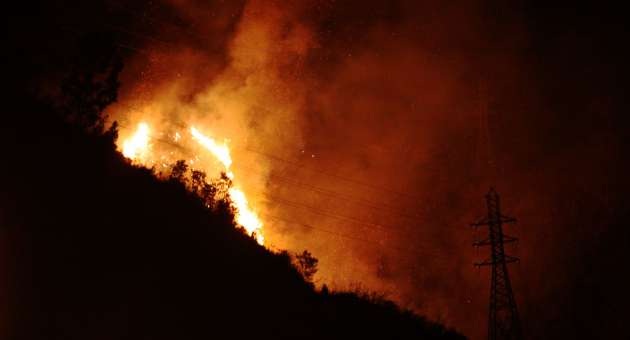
x,y
94,247
101,247
307,265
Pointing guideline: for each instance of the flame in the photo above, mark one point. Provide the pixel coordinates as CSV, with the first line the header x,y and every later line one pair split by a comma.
x,y
221,152
137,148
245,216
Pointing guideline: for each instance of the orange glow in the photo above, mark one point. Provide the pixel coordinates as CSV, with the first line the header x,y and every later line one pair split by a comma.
x,y
137,147
245,216
221,152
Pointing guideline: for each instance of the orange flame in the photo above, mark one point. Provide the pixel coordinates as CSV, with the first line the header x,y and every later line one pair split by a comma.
x,y
137,148
221,152
245,216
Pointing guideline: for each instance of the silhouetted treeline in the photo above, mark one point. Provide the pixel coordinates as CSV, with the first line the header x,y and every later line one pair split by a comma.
x,y
94,248
98,248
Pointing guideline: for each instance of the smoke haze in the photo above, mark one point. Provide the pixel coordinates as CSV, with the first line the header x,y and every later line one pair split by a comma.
x,y
368,134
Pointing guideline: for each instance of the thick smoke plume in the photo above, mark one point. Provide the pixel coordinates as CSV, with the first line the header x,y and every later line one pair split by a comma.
x,y
368,134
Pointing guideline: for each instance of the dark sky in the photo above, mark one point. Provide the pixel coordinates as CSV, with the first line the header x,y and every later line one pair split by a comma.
x,y
416,108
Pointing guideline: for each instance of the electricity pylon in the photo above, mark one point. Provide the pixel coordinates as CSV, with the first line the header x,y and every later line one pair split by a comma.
x,y
503,320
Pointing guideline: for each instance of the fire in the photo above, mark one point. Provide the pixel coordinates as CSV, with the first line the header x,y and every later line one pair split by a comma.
x,y
221,152
245,216
137,148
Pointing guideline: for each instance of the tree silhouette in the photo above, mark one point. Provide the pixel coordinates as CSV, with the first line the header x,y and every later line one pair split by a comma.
x,y
222,186
198,179
207,194
178,171
306,265
206,191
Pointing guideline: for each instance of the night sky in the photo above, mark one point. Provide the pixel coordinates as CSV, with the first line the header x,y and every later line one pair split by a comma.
x,y
370,131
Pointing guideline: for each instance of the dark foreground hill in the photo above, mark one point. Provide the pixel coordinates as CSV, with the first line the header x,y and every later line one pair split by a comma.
x,y
94,248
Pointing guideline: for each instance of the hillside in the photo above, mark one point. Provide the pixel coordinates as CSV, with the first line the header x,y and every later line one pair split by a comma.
x,y
92,247
97,248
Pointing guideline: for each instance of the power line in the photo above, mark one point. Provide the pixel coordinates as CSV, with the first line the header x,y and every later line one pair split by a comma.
x,y
322,212
316,210
354,238
373,205
283,201
274,157
349,180
337,195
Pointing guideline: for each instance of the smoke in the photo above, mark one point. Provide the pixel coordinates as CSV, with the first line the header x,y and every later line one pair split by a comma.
x,y
249,93
359,131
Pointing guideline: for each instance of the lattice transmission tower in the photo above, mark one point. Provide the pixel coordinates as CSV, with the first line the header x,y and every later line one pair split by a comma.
x,y
503,319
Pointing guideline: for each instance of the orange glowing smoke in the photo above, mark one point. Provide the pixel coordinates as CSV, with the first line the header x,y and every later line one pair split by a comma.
x,y
138,148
